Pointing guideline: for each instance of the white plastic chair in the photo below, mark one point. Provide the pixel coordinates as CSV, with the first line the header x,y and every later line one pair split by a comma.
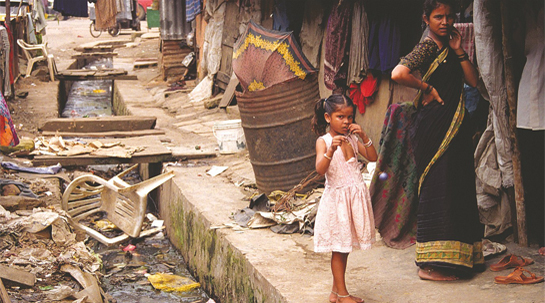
x,y
124,204
32,56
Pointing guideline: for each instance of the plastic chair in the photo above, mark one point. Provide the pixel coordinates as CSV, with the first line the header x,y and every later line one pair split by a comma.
x,y
124,204
32,56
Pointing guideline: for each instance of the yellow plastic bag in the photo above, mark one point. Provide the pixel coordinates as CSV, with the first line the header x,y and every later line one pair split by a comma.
x,y
169,282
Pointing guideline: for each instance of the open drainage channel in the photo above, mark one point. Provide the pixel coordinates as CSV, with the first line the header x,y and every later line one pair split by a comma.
x,y
125,268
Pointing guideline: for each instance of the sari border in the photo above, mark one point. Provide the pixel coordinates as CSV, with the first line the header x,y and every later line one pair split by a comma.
x,y
451,252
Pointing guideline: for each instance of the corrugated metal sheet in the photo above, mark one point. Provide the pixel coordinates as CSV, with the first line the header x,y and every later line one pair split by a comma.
x,y
172,55
173,24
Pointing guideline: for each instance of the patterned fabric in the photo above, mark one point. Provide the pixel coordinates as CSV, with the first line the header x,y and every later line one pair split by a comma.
x,y
468,38
8,136
421,57
395,199
453,252
263,58
336,43
345,216
192,9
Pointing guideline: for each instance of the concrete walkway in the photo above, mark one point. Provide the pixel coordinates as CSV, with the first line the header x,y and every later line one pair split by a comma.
x,y
240,266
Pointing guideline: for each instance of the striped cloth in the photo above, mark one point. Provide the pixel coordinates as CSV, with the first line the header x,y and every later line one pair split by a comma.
x,y
192,9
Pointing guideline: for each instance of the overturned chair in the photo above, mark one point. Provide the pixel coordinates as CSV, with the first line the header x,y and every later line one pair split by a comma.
x,y
36,53
124,204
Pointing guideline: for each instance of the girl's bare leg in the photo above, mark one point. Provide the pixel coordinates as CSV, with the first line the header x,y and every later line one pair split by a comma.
x,y
338,268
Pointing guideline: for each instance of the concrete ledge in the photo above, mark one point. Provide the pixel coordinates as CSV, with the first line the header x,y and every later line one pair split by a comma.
x,y
261,266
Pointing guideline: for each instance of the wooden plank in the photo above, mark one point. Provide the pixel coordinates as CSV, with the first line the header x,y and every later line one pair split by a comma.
x,y
4,298
17,275
229,93
153,152
95,54
13,203
97,77
99,124
112,134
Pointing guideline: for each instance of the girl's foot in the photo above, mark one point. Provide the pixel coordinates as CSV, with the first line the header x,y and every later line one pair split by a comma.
x,y
333,297
434,274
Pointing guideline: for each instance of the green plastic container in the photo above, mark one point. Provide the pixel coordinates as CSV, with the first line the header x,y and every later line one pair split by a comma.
x,y
152,17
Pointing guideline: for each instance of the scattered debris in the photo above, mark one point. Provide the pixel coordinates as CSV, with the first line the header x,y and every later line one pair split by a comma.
x,y
216,170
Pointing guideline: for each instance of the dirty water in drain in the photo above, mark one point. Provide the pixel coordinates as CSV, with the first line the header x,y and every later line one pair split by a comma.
x,y
125,272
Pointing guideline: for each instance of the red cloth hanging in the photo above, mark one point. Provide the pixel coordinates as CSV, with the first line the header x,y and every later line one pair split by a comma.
x,y
362,93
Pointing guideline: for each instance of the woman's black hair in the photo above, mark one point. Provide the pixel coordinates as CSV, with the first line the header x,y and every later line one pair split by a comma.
x,y
328,105
430,5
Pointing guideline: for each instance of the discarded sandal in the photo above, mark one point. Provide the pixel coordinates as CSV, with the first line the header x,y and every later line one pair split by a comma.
x,y
511,261
518,277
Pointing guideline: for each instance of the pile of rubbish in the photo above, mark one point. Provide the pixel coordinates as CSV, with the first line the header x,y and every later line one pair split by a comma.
x,y
45,258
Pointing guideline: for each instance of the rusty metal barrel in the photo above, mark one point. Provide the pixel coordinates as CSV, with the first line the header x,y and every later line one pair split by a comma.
x,y
277,126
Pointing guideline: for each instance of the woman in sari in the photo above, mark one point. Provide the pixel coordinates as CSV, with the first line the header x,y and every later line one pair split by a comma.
x,y
448,228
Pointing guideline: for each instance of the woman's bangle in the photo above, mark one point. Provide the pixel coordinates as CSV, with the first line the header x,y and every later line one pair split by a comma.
x,y
327,157
368,143
464,57
428,89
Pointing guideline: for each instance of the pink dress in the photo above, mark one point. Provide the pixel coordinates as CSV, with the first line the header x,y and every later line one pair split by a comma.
x,y
345,216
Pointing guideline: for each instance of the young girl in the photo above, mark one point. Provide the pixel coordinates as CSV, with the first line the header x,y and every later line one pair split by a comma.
x,y
345,216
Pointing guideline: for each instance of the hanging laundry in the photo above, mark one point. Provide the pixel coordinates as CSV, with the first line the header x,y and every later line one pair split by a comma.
x,y
468,38
338,29
106,12
8,136
192,9
281,22
359,51
362,93
74,8
384,42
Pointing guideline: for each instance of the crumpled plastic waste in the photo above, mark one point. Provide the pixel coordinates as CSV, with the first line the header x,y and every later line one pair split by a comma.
x,y
170,282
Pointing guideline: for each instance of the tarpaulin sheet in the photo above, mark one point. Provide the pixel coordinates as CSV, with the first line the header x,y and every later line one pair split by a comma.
x,y
488,44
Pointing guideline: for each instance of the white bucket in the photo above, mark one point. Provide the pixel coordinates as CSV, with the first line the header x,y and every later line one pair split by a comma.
x,y
230,136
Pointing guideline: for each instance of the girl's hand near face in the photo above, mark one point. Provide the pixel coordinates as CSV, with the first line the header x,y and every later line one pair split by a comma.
x,y
357,130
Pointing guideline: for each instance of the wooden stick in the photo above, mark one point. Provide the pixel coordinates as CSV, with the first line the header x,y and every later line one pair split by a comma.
x,y
4,298
512,101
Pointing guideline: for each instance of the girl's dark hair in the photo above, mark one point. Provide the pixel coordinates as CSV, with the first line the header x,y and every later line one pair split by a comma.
x,y
329,105
430,5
